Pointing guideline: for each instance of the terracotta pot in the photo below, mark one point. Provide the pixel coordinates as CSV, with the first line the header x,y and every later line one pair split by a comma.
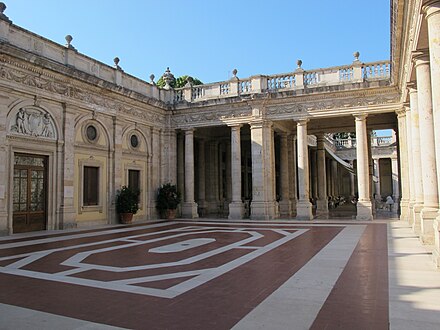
x,y
126,217
168,214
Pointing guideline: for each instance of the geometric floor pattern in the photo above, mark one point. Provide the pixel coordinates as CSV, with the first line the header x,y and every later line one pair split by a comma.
x,y
204,275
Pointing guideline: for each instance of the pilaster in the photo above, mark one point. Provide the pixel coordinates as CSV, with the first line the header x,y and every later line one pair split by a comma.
x,y
68,213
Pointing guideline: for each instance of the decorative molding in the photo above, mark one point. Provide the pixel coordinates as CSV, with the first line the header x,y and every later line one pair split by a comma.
x,y
42,81
34,122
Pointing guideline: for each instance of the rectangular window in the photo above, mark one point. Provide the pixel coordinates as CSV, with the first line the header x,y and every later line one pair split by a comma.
x,y
91,186
134,181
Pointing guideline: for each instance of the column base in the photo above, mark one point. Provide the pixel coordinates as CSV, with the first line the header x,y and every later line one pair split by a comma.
x,y
201,208
404,210
236,211
410,213
417,209
285,208
263,210
436,250
304,210
67,219
322,206
428,216
189,210
364,210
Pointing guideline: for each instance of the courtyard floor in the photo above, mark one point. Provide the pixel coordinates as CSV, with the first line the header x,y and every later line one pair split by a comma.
x,y
215,274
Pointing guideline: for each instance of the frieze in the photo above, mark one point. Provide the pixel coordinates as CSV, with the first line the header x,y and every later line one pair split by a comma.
x,y
332,104
66,90
210,116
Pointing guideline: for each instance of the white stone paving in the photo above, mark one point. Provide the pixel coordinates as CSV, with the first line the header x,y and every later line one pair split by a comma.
x,y
296,303
414,283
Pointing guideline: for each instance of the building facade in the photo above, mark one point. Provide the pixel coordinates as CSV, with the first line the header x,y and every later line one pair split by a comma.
x,y
74,130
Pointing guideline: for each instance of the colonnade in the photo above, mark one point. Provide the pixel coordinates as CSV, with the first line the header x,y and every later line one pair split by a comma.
x,y
419,124
302,175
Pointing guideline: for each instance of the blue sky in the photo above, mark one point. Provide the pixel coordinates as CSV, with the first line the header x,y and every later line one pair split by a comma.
x,y
208,39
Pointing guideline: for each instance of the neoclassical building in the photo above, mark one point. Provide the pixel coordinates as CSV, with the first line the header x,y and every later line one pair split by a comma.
x,y
73,130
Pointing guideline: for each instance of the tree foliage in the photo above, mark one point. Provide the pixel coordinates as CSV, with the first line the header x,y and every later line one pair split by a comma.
x,y
179,82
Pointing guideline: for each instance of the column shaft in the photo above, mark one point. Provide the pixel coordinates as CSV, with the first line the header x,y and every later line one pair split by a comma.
x,y
189,207
285,204
304,207
322,202
364,211
236,207
432,11
427,149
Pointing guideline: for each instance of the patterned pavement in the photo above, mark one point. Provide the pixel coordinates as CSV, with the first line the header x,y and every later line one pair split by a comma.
x,y
202,275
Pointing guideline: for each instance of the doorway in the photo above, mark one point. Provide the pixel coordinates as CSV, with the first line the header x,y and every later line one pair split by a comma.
x,y
29,193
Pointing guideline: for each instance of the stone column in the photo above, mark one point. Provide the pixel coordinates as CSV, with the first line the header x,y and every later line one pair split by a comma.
x,y
285,204
377,175
189,207
263,173
432,12
417,161
427,148
304,207
395,178
181,165
407,172
334,169
292,172
364,209
213,191
236,207
201,171
228,171
352,183
322,202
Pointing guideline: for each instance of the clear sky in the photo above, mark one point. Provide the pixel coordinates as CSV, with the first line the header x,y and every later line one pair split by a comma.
x,y
208,39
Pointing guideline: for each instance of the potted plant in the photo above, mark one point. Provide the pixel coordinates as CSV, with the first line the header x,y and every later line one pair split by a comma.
x,y
127,203
168,198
